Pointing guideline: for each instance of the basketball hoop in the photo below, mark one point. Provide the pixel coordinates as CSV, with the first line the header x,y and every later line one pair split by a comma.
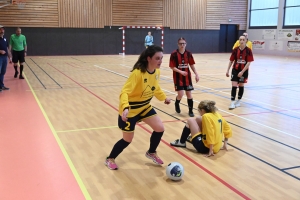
x,y
20,3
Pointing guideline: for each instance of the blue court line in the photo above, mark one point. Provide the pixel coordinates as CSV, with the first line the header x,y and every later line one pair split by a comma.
x,y
291,168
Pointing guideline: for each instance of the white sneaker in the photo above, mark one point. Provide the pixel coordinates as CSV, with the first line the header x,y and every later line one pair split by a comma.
x,y
237,103
177,143
232,105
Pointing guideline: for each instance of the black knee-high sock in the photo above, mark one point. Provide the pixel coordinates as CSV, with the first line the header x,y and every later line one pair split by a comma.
x,y
233,93
21,69
177,101
190,104
154,141
184,135
241,92
16,68
118,148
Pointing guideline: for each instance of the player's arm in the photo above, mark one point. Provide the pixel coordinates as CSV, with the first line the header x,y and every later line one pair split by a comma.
x,y
208,129
25,45
10,43
9,52
227,133
195,72
232,57
127,89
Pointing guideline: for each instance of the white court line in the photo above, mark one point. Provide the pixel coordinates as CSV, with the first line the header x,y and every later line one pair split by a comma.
x,y
243,97
218,108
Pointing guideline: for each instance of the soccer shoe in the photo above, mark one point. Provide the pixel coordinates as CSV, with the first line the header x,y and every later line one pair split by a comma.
x,y
16,74
154,157
177,108
5,88
191,114
232,105
237,103
177,143
110,163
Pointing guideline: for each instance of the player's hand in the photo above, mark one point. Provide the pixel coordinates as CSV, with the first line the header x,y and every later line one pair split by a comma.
x,y
25,54
197,78
124,115
2,52
10,61
167,101
211,153
240,74
183,73
227,74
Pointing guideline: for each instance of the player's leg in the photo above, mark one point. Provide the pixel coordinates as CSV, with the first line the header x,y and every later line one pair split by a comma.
x,y
234,83
193,126
128,133
21,60
15,61
158,129
190,102
241,89
180,93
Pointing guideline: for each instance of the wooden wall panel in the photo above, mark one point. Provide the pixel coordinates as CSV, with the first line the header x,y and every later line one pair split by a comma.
x,y
219,11
36,13
85,13
184,14
137,12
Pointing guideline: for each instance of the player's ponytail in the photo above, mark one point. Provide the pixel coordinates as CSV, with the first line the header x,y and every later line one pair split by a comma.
x,y
208,106
142,62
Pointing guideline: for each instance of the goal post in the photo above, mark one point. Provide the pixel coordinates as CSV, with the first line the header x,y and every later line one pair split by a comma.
x,y
126,27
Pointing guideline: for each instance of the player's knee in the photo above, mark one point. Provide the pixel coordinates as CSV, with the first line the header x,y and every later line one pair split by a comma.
x,y
191,120
128,137
159,128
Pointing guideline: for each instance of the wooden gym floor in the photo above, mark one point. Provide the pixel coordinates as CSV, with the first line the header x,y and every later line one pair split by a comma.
x,y
59,124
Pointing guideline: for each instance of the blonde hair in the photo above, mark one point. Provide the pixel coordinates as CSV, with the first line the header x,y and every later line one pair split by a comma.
x,y
208,106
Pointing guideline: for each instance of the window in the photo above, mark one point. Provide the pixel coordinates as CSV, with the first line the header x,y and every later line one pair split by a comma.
x,y
292,14
263,13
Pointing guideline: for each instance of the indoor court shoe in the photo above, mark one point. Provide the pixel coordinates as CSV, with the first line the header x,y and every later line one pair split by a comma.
x,y
189,139
237,103
191,114
232,106
5,88
16,74
154,157
177,143
177,108
110,163
21,77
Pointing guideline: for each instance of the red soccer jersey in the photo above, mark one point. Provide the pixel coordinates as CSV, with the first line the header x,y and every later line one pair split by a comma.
x,y
241,57
181,62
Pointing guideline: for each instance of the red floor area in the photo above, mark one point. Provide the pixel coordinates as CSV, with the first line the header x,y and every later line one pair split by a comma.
x,y
32,165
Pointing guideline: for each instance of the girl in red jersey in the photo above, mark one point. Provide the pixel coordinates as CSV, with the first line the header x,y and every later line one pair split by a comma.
x,y
241,58
180,61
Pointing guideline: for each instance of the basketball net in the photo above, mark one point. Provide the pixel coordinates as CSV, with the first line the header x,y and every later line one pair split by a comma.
x,y
20,3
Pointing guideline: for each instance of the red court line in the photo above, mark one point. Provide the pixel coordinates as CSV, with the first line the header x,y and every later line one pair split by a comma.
x,y
31,162
150,132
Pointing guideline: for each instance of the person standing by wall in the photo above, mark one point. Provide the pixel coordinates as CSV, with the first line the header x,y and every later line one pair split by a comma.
x,y
18,46
4,52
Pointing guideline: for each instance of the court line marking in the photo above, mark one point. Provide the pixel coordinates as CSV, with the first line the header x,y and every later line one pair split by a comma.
x,y
87,129
61,146
218,108
183,154
291,168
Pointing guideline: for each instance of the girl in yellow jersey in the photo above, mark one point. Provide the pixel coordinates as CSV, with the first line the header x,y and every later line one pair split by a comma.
x,y
135,97
207,131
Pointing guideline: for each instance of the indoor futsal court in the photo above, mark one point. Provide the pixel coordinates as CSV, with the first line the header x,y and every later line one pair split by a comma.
x,y
60,122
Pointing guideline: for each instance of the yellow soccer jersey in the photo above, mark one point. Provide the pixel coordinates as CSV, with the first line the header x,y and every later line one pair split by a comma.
x,y
213,129
138,91
237,44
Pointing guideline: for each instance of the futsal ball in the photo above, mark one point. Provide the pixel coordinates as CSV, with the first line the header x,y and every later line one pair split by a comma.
x,y
175,171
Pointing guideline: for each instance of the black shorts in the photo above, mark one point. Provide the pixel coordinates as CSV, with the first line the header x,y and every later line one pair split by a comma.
x,y
18,56
234,76
186,88
131,122
199,145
